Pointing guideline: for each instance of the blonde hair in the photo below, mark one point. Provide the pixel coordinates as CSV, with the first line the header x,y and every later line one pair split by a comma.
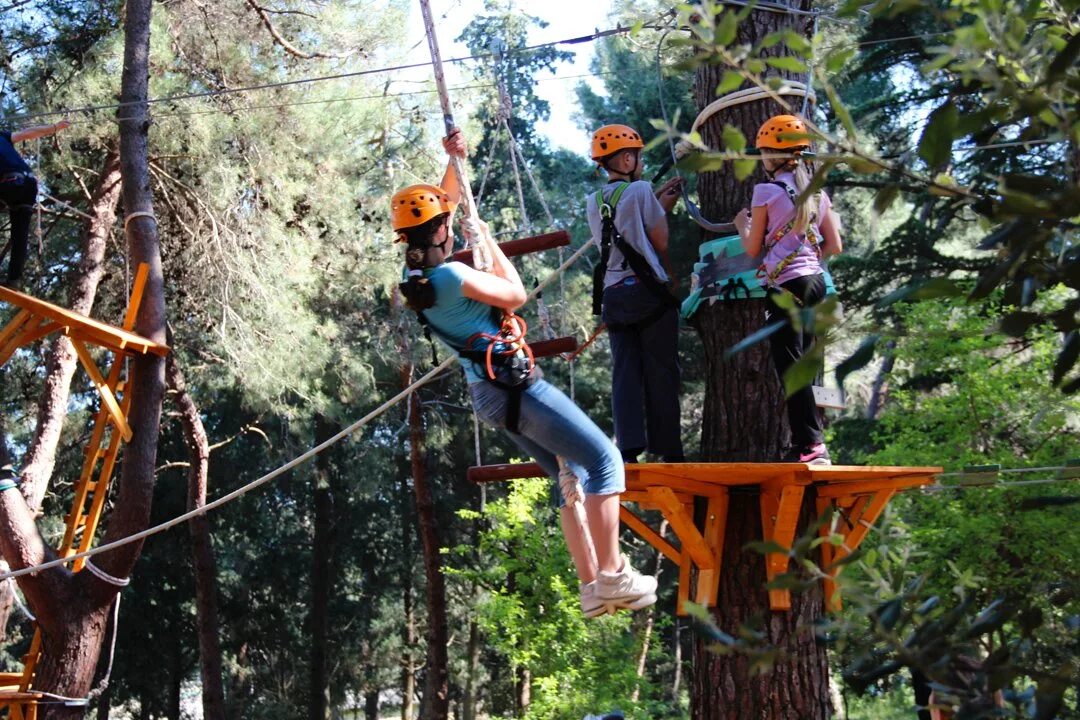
x,y
805,213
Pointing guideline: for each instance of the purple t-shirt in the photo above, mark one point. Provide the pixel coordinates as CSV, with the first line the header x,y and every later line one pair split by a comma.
x,y
780,209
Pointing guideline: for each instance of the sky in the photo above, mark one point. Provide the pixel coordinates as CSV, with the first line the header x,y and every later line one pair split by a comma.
x,y
565,18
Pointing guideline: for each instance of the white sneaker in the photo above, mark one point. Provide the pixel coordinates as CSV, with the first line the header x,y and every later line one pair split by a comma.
x,y
591,606
626,589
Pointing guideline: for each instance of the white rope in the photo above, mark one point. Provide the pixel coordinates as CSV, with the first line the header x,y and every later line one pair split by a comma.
x,y
295,462
22,606
517,176
106,577
809,73
138,214
104,684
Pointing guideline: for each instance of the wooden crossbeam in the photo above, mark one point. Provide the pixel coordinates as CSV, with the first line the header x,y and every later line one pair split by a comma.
x,y
682,522
108,398
708,581
649,535
506,471
555,346
522,246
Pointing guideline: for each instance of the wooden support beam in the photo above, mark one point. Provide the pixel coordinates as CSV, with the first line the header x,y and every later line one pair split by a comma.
x,y
554,346
26,331
829,587
108,399
682,522
649,535
780,505
684,583
708,581
506,471
522,246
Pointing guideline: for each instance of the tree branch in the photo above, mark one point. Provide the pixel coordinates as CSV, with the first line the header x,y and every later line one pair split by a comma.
x,y
280,40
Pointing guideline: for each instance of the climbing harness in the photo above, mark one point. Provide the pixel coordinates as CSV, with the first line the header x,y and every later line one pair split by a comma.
x,y
810,236
610,236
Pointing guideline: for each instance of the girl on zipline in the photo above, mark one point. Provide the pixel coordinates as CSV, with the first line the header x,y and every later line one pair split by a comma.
x,y
18,190
794,239
470,310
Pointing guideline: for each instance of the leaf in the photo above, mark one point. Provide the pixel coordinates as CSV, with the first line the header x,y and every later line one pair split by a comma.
x,y
1064,60
733,139
744,169
928,290
803,372
773,39
787,62
729,82
935,146
858,359
1066,359
885,197
726,29
797,43
841,110
752,339
765,547
835,61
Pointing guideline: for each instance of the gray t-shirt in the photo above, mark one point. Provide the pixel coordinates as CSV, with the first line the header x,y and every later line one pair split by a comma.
x,y
638,212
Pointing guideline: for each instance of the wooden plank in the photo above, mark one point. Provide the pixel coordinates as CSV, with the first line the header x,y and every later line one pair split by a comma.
x,y
85,328
101,491
684,584
21,338
107,397
866,519
780,506
829,587
506,471
649,535
13,326
554,346
521,246
869,487
643,481
142,274
708,583
683,524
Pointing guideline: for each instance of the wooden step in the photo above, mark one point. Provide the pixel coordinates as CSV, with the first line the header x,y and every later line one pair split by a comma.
x,y
554,346
508,471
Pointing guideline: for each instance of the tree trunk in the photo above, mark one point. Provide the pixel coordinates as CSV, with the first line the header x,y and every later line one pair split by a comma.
x,y
202,549
880,390
408,629
744,420
469,702
435,704
371,705
72,609
321,581
60,359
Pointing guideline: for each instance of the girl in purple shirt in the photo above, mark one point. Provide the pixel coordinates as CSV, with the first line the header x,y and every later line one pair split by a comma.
x,y
792,241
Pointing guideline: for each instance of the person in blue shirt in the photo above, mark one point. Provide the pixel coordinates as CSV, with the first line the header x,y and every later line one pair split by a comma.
x,y
465,308
18,191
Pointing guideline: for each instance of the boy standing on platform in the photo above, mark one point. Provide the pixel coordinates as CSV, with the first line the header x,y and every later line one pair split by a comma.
x,y
18,190
630,291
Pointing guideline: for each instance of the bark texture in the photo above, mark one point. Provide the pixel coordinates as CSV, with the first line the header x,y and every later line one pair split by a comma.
x,y
202,549
744,420
321,580
60,358
436,700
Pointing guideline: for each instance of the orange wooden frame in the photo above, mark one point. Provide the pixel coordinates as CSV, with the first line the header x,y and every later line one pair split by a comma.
x,y
35,320
856,496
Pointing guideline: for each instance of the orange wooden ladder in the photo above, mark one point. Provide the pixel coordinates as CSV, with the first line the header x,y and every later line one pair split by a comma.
x,y
35,320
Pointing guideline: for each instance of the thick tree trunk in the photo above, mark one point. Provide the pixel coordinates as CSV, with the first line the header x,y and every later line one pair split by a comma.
x,y
60,359
371,705
202,549
321,580
744,420
436,700
469,702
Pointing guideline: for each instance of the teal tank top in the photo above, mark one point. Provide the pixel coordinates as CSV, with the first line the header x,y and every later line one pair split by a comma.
x,y
455,318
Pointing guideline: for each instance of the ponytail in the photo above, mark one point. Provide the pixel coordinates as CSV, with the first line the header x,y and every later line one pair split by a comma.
x,y
418,291
805,213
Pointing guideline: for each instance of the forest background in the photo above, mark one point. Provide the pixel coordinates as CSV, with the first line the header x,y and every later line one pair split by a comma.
x,y
279,277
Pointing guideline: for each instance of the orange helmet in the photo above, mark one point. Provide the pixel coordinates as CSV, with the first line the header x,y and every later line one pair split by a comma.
x,y
417,204
613,138
782,132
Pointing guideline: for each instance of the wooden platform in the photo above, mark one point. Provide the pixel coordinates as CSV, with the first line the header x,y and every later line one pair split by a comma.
x,y
856,494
